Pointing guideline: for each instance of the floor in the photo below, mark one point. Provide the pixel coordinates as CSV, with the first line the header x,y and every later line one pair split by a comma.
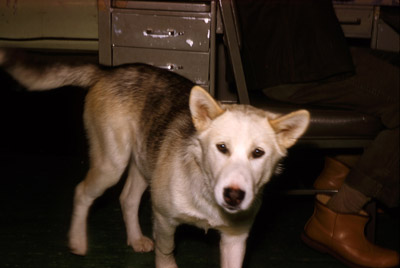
x,y
43,155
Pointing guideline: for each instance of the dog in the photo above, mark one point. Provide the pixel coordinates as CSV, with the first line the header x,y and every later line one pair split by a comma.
x,y
206,163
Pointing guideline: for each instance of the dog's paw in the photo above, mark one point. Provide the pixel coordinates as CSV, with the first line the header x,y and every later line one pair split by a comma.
x,y
144,244
78,247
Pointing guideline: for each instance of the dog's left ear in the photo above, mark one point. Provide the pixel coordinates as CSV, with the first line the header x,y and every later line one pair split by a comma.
x,y
203,108
290,127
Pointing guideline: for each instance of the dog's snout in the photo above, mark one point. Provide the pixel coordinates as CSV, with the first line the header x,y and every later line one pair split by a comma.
x,y
233,196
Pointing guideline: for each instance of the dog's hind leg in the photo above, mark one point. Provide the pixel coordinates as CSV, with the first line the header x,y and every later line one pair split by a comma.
x,y
130,200
98,179
110,152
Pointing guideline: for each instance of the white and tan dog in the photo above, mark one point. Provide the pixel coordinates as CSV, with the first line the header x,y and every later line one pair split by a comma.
x,y
206,163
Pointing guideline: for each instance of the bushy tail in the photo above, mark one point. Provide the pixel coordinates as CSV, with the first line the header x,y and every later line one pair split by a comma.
x,y
35,73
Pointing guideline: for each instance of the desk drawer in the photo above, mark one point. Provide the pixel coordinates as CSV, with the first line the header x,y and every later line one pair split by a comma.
x,y
192,65
160,31
356,21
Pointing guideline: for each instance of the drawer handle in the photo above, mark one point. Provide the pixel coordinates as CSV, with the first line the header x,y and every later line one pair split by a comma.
x,y
171,67
161,34
351,22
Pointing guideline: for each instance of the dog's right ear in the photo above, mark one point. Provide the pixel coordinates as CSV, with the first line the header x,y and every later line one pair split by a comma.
x,y
203,108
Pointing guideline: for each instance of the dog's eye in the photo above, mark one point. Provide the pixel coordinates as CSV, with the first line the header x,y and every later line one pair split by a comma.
x,y
222,148
257,153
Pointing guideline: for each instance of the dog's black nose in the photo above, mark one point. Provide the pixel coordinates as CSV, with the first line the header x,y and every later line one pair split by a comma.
x,y
233,196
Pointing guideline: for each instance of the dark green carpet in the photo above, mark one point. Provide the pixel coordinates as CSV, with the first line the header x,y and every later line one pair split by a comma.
x,y
37,191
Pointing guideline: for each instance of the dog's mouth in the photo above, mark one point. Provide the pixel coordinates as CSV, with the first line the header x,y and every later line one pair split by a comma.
x,y
231,209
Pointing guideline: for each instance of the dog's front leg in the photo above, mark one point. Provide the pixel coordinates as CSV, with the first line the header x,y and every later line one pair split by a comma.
x,y
164,231
233,248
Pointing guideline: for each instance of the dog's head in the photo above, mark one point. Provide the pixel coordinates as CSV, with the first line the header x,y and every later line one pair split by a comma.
x,y
241,146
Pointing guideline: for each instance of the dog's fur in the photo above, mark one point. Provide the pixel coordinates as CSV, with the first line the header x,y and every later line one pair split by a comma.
x,y
206,163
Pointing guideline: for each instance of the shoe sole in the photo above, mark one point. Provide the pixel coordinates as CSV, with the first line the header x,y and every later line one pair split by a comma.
x,y
324,249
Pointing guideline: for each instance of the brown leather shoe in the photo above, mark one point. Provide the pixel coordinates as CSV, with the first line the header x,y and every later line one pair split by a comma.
x,y
332,175
342,236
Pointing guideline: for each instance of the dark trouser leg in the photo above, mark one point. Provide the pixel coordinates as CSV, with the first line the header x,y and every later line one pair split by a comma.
x,y
373,90
377,172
